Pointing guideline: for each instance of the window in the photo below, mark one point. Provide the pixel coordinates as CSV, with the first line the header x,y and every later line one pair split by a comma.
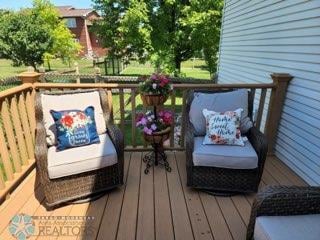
x,y
71,23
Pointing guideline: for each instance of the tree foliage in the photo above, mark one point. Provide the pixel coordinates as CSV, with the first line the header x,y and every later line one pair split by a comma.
x,y
125,29
63,45
23,39
165,31
31,35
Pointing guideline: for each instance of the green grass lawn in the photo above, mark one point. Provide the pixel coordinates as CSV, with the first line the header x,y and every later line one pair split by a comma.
x,y
191,68
8,70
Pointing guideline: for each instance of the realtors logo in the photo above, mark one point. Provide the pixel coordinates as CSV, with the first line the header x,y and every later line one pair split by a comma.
x,y
21,226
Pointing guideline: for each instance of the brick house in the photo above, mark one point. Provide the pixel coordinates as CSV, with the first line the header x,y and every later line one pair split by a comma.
x,y
79,22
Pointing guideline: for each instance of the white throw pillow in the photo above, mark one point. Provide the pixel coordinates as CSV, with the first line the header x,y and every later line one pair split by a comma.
x,y
223,128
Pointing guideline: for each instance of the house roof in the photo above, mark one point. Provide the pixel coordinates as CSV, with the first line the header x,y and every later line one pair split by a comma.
x,y
69,11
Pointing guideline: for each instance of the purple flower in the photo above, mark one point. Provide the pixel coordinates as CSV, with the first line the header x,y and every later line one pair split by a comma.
x,y
143,121
153,127
147,130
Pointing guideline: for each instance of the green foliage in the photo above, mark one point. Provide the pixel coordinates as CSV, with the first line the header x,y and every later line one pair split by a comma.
x,y
167,32
23,38
125,29
31,36
63,45
203,17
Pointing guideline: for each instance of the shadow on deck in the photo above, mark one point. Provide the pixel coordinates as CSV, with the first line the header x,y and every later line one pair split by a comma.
x,y
154,206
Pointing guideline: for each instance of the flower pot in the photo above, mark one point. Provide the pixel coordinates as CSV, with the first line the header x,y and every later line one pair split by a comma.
x,y
158,137
153,99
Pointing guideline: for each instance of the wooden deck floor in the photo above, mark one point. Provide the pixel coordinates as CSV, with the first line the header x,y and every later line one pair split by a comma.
x,y
155,206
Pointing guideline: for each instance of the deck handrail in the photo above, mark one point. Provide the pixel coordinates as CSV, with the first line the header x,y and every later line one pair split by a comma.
x,y
17,118
175,85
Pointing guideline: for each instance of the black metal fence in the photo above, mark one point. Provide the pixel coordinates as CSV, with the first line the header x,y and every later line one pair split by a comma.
x,y
111,66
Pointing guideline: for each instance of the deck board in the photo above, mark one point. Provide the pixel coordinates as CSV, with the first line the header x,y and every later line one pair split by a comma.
x,y
154,206
146,218
180,215
163,216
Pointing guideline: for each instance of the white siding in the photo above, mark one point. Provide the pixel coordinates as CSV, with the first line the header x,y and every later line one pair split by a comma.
x,y
261,37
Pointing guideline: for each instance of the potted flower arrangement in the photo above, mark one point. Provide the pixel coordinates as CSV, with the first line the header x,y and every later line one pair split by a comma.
x,y
156,129
155,90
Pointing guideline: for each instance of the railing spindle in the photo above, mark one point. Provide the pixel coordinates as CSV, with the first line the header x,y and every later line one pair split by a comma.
x,y
122,110
109,93
30,98
133,116
144,109
173,106
10,136
261,107
25,125
18,130
184,98
2,184
5,156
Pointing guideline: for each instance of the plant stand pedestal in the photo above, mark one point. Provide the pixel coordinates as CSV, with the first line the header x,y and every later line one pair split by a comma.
x,y
157,156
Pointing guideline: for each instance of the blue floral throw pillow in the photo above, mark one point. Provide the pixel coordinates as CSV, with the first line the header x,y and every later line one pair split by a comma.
x,y
75,128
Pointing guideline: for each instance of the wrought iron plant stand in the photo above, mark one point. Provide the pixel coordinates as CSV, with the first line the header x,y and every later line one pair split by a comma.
x,y
157,156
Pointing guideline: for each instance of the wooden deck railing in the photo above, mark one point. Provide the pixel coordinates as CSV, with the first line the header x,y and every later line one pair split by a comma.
x,y
17,120
17,124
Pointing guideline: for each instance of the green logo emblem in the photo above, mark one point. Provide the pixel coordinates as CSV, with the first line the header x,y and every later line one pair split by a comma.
x,y
21,226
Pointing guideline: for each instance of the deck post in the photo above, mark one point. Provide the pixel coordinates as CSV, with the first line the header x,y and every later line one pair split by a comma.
x,y
97,75
76,65
277,98
29,76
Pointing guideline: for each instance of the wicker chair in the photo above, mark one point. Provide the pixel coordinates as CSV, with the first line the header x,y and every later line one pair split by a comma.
x,y
224,181
83,186
285,201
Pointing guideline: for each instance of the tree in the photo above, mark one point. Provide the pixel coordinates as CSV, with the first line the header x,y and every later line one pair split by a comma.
x,y
29,36
23,39
203,17
165,31
125,29
63,45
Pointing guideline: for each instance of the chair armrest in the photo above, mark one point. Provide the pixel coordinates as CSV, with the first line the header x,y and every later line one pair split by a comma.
x,y
260,144
283,201
189,141
41,152
117,139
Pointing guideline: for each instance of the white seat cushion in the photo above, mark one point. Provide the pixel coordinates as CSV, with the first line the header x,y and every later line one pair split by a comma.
x,y
300,227
81,159
224,156
76,101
